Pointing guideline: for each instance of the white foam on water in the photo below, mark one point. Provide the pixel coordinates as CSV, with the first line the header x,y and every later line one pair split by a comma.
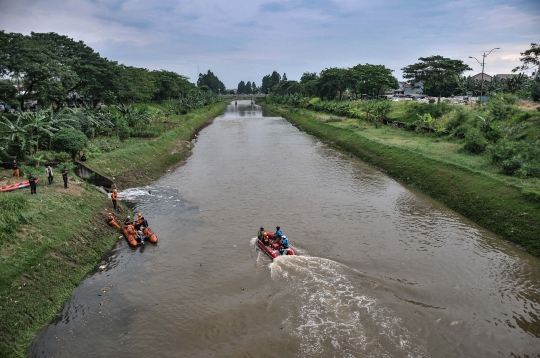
x,y
333,315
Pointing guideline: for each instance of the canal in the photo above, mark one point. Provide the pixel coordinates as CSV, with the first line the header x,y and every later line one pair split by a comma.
x,y
383,270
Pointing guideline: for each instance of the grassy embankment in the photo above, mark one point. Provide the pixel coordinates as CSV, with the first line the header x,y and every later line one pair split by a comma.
x,y
469,184
144,161
52,240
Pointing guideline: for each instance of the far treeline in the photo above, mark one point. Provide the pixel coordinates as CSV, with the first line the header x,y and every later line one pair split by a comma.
x,y
49,68
437,75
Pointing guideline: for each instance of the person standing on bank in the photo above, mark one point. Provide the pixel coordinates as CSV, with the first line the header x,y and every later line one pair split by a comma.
x,y
49,173
15,167
114,197
65,177
32,179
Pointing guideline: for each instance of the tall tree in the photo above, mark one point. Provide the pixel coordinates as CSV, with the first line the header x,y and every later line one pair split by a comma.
x,y
171,85
253,87
371,79
213,83
332,82
438,74
241,87
530,59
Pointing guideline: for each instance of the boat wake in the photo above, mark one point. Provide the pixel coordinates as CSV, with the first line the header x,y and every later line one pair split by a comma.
x,y
332,312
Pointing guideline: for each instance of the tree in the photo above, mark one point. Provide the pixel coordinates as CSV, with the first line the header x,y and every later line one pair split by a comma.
x,y
50,66
137,85
530,59
438,74
248,88
69,140
308,76
213,83
310,81
241,87
253,87
269,81
170,85
332,82
284,78
371,79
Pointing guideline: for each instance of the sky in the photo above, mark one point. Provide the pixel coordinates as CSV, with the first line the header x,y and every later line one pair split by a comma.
x,y
248,39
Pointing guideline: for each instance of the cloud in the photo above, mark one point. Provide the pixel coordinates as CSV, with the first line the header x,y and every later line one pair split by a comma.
x,y
240,40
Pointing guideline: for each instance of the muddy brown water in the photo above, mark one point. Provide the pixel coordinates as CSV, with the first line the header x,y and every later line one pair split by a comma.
x,y
384,271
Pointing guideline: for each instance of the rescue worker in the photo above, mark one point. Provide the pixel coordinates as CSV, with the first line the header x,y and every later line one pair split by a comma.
x,y
132,232
111,221
140,222
260,233
114,197
15,167
65,177
49,173
278,234
127,222
32,179
265,239
284,243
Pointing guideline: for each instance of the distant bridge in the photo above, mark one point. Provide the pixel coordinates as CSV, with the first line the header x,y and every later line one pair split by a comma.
x,y
243,96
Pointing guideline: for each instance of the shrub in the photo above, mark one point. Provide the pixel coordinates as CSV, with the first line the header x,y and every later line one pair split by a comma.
x,y
504,149
457,124
510,166
69,140
475,141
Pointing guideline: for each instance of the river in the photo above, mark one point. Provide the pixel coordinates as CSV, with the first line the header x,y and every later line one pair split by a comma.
x,y
384,271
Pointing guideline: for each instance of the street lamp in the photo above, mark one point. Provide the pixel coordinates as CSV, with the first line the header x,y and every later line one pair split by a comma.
x,y
483,62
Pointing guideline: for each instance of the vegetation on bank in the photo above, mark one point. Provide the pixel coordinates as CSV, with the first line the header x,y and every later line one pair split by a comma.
x,y
52,240
469,183
504,134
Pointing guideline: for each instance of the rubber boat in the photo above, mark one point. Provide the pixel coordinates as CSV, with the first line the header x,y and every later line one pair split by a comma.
x,y
134,240
15,186
273,249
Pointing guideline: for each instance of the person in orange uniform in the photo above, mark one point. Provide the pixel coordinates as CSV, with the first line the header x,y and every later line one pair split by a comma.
x,y
15,167
140,222
111,221
114,197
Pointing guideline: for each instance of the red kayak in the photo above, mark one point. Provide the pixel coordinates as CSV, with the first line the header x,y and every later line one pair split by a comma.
x,y
15,186
273,248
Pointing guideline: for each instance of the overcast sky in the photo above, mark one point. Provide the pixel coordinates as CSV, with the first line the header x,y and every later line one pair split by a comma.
x,y
247,39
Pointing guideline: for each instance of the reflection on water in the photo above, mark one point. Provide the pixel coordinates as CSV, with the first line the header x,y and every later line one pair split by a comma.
x,y
385,271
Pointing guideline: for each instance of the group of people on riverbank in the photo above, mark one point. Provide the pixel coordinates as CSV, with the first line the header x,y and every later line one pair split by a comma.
x,y
33,179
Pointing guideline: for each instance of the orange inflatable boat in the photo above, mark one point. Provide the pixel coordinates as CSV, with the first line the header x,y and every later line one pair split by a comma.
x,y
134,238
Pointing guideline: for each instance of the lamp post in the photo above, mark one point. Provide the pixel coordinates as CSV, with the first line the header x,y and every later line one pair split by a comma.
x,y
483,63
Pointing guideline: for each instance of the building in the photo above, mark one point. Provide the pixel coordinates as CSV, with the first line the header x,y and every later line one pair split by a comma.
x,y
406,89
489,78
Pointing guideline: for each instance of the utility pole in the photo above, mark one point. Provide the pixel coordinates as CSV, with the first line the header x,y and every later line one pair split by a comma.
x,y
483,63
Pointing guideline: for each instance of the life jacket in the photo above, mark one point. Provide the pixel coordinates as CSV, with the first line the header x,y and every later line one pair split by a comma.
x,y
279,233
285,243
131,230
265,239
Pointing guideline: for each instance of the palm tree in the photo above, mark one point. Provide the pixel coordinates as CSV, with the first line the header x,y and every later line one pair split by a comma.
x,y
15,133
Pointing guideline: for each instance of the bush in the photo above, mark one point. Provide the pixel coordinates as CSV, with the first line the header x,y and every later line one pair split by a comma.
x,y
510,166
457,124
475,141
69,140
503,150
